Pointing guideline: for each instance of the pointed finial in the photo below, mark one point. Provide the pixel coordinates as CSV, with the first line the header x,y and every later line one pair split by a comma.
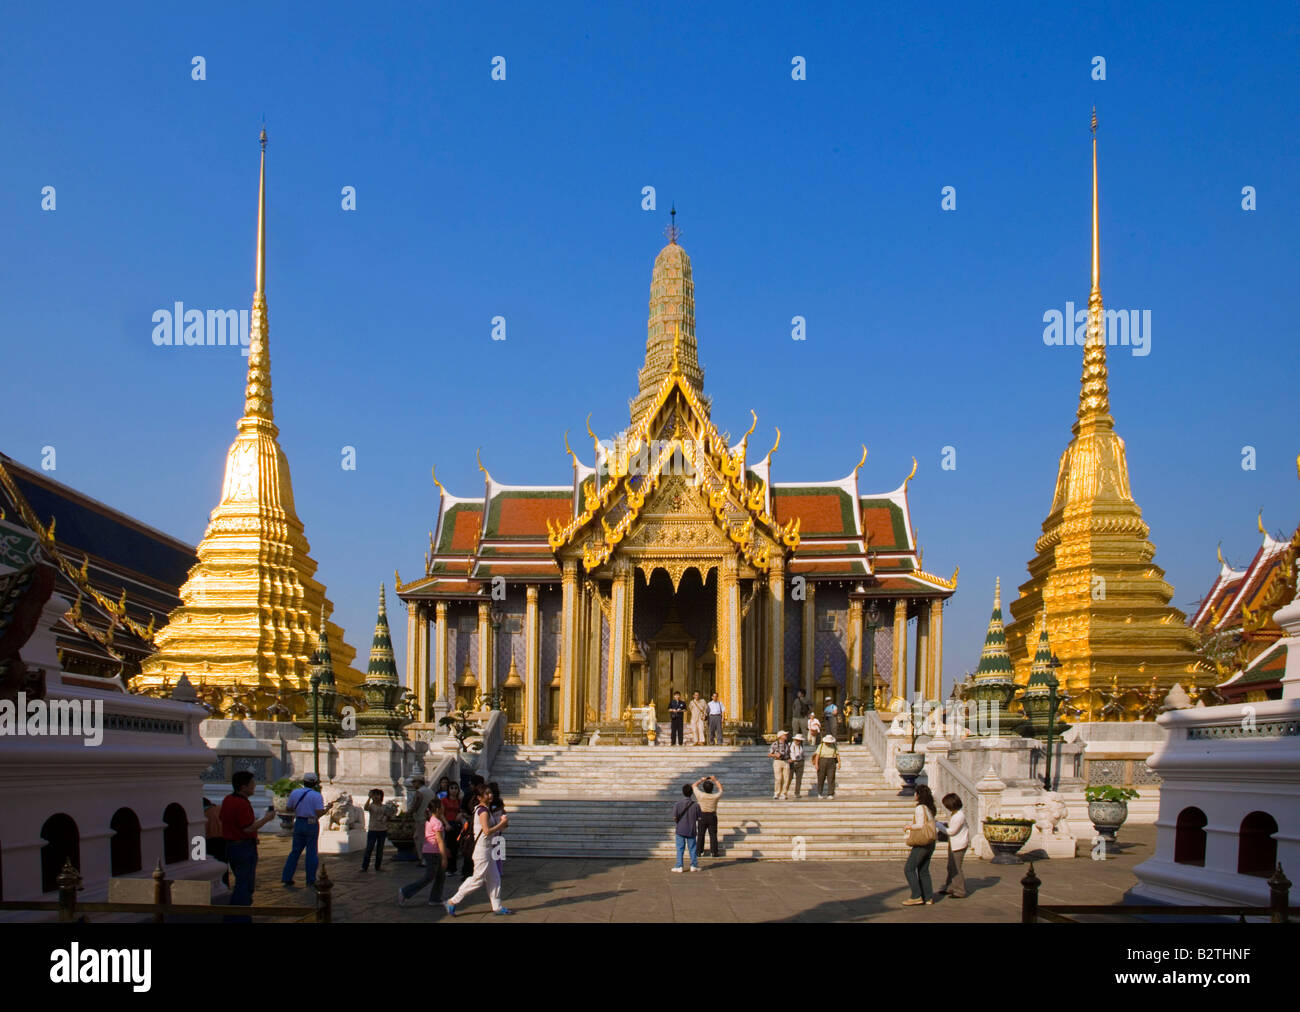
x,y
1094,392
257,387
862,461
1221,562
478,456
774,445
1260,522
433,471
910,476
383,604
997,592
672,231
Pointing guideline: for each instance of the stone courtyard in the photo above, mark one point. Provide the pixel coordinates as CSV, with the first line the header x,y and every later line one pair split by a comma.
x,y
588,890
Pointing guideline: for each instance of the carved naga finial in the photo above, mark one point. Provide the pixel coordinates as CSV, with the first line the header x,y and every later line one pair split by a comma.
x,y
910,476
862,461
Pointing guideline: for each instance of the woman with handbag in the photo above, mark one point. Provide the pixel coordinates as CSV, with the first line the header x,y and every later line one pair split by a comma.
x,y
921,836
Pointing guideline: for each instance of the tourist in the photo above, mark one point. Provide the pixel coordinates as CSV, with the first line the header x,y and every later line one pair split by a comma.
x,y
796,763
830,716
685,815
307,806
958,834
434,848
451,821
417,803
699,710
779,753
239,828
212,838
497,812
801,709
468,830
707,791
485,868
677,716
814,729
376,829
444,788
920,837
826,761
716,710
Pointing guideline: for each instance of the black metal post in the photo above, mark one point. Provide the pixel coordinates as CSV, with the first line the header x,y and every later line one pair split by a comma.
x,y
1051,723
1029,896
315,725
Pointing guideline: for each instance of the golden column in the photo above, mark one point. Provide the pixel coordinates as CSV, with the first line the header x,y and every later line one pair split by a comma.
x,y
729,665
855,649
532,664
936,649
589,666
443,694
619,634
422,659
486,676
920,685
412,655
900,648
776,643
808,675
570,697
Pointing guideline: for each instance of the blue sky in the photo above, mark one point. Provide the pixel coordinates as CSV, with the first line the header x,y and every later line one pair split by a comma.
x,y
522,198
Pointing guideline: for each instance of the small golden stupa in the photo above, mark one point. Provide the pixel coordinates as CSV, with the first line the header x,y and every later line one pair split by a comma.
x,y
1108,613
247,625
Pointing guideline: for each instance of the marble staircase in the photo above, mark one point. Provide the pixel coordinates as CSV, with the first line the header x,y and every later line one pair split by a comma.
x,y
616,802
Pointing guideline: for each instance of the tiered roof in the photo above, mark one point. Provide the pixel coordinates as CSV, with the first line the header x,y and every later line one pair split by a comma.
x,y
1246,598
825,529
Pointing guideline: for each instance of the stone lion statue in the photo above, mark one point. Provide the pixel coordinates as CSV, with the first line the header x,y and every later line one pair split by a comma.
x,y
1052,815
344,814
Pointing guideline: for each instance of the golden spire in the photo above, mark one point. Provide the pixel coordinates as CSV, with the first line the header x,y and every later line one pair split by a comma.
x,y
251,603
997,592
257,391
1094,393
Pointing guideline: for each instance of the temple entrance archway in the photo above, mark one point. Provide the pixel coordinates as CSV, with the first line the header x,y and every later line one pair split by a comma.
x,y
674,629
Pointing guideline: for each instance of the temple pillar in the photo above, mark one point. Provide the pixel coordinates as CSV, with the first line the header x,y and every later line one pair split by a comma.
x,y
486,674
809,675
776,644
443,694
422,659
570,696
532,665
620,624
591,673
920,685
900,648
412,655
729,666
936,649
854,680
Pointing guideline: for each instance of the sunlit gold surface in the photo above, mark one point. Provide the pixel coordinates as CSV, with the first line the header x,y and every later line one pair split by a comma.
x,y
246,627
1108,613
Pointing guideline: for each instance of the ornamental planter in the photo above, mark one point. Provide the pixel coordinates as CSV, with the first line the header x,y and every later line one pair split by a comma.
x,y
401,834
1006,836
857,727
1107,817
909,766
281,805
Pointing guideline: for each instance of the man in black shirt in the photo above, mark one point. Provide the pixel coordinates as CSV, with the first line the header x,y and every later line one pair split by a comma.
x,y
677,714
801,710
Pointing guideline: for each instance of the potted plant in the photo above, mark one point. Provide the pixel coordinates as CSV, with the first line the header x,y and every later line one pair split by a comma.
x,y
1107,810
910,763
282,788
1006,835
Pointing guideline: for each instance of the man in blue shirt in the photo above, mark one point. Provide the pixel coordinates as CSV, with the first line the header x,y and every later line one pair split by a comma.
x,y
307,806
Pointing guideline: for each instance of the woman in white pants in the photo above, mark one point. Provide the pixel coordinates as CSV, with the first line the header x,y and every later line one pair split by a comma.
x,y
486,826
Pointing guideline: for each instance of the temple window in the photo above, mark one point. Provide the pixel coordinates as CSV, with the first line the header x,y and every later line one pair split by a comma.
x,y
124,844
1189,837
62,843
1256,846
176,834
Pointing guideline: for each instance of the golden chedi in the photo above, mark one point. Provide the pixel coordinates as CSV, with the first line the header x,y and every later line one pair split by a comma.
x,y
1109,617
247,625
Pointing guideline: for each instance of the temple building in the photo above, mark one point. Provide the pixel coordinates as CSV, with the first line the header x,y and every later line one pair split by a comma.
x,y
122,577
1109,616
673,562
1239,634
250,609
